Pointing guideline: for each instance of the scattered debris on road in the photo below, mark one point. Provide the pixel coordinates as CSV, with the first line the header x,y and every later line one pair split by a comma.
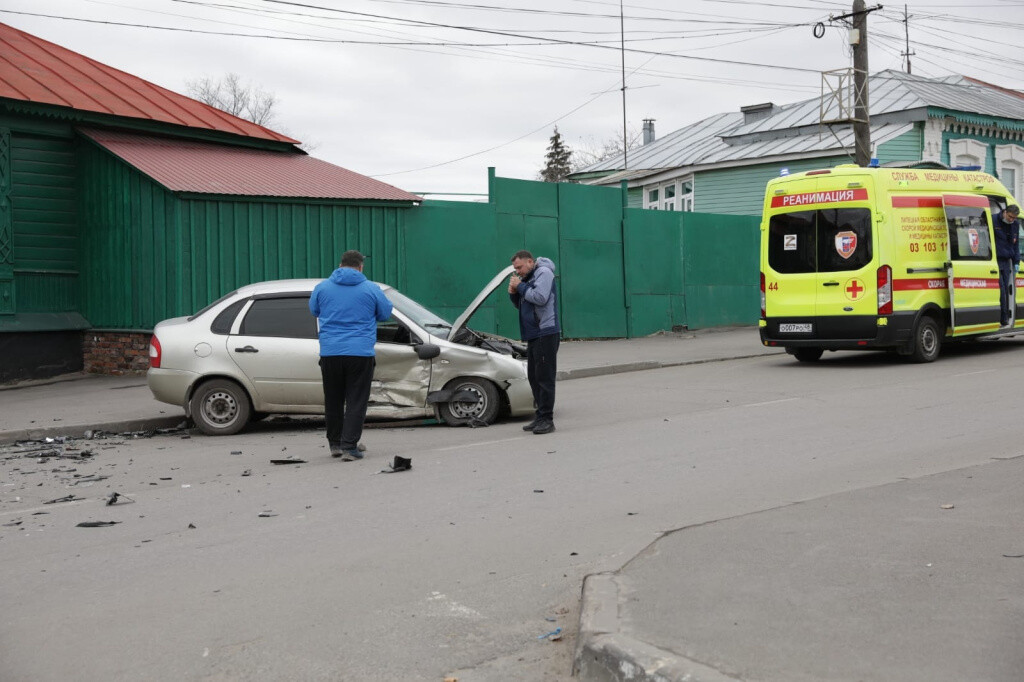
x,y
287,461
399,464
96,524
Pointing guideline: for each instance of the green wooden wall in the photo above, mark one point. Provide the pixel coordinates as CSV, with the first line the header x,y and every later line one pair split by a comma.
x,y
907,147
740,190
150,255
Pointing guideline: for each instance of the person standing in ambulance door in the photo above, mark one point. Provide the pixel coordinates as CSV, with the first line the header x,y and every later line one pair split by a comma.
x,y
532,290
1006,228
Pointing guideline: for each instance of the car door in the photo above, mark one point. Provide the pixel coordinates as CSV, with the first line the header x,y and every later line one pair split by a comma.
x,y
972,271
400,378
275,345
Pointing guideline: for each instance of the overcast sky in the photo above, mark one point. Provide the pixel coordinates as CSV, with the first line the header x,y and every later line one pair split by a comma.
x,y
427,94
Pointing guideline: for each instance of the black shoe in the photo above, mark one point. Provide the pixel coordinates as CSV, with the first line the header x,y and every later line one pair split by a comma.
x,y
337,451
531,426
544,426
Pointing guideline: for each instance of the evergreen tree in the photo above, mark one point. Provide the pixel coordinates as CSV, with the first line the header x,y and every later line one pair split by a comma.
x,y
557,161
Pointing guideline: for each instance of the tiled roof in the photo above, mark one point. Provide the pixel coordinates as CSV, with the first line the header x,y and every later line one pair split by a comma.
x,y
207,168
34,70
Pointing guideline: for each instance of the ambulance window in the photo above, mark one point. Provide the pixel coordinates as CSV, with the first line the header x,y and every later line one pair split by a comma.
x,y
844,239
791,242
968,233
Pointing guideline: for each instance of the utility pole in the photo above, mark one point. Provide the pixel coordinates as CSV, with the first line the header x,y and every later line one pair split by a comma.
x,y
906,29
622,38
861,119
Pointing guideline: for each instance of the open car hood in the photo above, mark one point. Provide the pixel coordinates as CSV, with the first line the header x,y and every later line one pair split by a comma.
x,y
462,319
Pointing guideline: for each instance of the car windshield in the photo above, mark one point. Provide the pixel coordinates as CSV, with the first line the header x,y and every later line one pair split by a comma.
x,y
415,312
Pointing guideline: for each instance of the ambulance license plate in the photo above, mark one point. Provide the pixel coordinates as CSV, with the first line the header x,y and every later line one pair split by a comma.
x,y
796,328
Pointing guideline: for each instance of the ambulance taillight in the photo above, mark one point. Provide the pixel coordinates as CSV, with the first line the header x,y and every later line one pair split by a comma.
x,y
885,290
762,296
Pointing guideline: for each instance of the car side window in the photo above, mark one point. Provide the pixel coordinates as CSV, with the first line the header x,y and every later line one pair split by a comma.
x,y
393,331
225,318
287,317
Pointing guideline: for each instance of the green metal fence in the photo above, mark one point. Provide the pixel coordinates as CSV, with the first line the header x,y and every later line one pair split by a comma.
x,y
621,272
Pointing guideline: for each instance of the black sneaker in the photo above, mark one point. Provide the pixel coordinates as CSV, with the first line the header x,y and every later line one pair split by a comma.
x,y
531,426
351,455
544,426
337,451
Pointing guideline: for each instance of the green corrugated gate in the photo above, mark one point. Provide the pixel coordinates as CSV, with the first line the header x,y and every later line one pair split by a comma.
x,y
621,272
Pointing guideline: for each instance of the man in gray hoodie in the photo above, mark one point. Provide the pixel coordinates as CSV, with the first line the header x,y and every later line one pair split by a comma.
x,y
532,290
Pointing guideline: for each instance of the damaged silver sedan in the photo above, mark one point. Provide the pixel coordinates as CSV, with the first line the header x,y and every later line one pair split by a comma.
x,y
255,352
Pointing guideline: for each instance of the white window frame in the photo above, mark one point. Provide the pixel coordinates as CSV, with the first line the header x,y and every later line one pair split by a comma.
x,y
1011,156
677,202
967,152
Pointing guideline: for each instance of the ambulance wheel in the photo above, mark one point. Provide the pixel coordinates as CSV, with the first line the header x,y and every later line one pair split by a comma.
x,y
807,354
927,340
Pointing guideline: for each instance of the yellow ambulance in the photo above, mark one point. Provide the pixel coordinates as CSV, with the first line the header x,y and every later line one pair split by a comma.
x,y
881,258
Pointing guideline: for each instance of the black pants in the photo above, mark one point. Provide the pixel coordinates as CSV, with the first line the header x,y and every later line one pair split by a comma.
x,y
541,366
346,392
1006,272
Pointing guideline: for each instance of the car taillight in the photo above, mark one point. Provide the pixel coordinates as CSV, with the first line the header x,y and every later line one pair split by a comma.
x,y
885,290
762,296
154,352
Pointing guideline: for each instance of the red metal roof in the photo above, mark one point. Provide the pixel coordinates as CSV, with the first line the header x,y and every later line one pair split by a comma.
x,y
34,70
207,168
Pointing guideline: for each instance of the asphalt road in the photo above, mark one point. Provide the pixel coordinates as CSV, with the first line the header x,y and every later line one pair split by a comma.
x,y
458,566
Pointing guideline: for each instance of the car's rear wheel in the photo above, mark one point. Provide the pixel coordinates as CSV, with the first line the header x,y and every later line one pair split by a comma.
x,y
220,407
478,401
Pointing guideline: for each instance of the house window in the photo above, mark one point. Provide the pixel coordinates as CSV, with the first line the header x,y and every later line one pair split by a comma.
x,y
686,195
1010,168
670,197
967,152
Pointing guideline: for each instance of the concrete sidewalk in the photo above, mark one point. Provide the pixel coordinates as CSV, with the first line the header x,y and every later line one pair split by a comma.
x,y
880,584
72,404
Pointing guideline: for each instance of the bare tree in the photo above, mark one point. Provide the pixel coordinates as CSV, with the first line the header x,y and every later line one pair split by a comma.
x,y
589,151
230,94
244,100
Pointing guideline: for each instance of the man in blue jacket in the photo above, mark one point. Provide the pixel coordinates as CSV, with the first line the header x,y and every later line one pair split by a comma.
x,y
532,290
1006,228
348,307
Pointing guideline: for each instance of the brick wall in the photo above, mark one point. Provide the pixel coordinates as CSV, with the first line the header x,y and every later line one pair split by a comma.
x,y
116,352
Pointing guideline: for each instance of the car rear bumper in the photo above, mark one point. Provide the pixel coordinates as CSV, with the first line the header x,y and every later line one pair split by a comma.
x,y
171,385
838,333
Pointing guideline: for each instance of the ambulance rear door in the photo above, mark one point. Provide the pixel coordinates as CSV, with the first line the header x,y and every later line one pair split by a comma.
x,y
971,270
847,280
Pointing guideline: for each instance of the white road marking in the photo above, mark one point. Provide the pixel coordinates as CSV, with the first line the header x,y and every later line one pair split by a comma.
x,y
477,445
771,402
980,371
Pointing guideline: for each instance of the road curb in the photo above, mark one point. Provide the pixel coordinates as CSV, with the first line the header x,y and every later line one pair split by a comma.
x,y
605,654
585,372
78,430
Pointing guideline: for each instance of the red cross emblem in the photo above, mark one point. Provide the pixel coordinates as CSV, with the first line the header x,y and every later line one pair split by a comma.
x,y
854,289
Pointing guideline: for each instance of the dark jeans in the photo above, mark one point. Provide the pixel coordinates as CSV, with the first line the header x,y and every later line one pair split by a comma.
x,y
1006,272
541,365
346,392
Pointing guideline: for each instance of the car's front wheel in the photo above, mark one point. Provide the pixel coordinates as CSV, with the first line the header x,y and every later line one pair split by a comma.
x,y
473,400
220,407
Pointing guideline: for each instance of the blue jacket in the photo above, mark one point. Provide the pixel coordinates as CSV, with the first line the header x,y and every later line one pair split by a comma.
x,y
1006,238
349,306
537,300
